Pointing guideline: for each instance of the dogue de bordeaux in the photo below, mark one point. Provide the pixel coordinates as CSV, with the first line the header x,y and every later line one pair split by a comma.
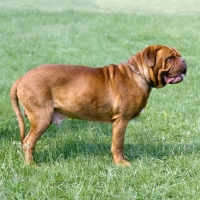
x,y
113,93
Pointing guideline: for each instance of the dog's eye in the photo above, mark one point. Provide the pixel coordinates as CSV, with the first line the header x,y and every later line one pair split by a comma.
x,y
170,58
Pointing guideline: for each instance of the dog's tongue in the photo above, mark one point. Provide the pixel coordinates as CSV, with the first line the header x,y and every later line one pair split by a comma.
x,y
168,79
171,80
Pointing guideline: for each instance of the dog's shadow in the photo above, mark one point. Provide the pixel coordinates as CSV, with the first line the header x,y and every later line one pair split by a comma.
x,y
74,146
73,149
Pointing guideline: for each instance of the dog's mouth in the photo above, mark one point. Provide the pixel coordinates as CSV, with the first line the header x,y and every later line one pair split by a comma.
x,y
169,79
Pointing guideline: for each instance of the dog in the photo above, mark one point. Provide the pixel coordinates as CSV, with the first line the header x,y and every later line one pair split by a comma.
x,y
114,94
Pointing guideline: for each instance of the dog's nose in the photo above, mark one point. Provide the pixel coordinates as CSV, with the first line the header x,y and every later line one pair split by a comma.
x,y
182,60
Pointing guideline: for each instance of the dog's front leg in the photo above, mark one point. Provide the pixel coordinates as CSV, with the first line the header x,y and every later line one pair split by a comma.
x,y
118,132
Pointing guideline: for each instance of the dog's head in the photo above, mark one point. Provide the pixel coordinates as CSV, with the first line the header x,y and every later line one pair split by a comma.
x,y
165,65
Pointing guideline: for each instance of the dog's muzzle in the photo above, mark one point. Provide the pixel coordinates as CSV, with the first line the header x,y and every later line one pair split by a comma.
x,y
177,73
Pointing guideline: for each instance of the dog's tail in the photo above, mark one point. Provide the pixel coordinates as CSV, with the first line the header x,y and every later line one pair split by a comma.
x,y
15,104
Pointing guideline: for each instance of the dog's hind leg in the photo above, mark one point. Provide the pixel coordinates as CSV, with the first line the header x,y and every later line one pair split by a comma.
x,y
39,122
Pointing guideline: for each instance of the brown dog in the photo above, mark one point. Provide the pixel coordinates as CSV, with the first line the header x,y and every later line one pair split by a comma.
x,y
114,93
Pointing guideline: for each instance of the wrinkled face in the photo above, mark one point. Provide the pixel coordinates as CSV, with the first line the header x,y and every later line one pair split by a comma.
x,y
167,65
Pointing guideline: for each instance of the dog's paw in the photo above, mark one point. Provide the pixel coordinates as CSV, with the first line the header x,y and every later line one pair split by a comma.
x,y
123,163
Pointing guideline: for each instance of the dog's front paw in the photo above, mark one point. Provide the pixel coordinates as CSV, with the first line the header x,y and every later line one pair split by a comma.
x,y
120,160
123,162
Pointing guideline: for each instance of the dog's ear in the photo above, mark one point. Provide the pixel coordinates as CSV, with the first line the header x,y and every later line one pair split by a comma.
x,y
149,54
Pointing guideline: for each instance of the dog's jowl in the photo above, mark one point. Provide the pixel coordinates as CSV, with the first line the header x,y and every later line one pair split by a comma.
x,y
113,93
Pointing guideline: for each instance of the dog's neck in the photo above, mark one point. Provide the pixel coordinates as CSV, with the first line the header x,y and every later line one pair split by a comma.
x,y
133,68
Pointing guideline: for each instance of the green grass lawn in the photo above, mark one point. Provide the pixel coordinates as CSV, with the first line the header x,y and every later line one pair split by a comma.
x,y
74,159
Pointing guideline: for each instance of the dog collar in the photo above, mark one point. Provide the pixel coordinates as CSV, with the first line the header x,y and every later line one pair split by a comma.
x,y
138,73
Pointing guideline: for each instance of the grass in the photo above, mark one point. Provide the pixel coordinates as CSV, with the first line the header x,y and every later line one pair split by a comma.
x,y
74,160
